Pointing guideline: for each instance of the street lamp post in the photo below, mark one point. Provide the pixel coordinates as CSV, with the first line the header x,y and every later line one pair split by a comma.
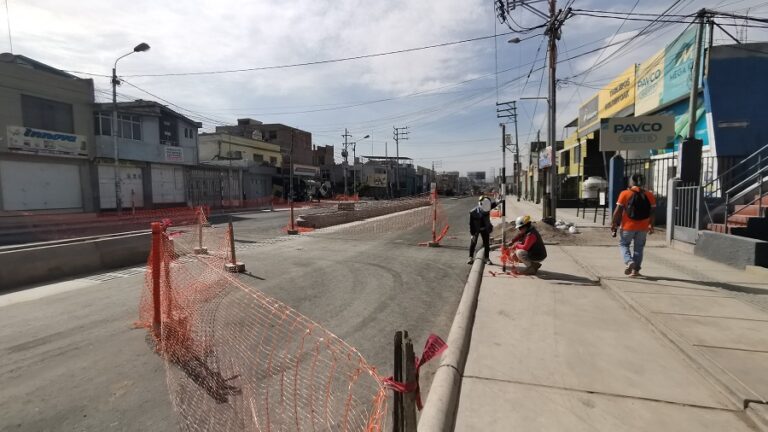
x,y
115,81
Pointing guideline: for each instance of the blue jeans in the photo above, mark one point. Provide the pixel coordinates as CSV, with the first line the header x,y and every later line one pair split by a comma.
x,y
625,239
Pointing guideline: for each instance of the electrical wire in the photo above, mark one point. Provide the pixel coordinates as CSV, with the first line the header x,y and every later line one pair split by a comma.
x,y
310,63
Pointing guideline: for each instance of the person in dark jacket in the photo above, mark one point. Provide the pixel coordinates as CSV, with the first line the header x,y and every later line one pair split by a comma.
x,y
528,246
480,225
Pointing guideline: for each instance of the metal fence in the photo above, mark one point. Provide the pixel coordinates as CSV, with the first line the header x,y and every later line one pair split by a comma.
x,y
658,171
687,204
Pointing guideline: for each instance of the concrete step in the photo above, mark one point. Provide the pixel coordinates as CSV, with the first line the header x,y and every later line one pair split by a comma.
x,y
749,210
739,219
720,228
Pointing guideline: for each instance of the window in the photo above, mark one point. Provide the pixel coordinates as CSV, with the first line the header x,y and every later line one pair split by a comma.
x,y
186,133
272,135
272,160
47,114
258,158
102,124
129,126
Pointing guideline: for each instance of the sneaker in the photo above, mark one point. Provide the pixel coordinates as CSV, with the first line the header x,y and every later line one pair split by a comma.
x,y
488,261
470,261
529,271
630,268
635,273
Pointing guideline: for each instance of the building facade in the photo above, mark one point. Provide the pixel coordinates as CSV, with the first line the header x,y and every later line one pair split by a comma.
x,y
250,163
46,138
154,144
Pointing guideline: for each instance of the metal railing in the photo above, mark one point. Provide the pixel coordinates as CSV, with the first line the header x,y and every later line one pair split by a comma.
x,y
658,171
687,204
735,184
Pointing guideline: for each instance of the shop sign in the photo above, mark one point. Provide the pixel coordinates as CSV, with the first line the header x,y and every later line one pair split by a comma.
x,y
618,94
666,77
636,133
588,115
39,141
174,154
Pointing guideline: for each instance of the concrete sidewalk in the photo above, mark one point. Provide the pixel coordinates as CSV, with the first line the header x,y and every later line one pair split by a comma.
x,y
580,346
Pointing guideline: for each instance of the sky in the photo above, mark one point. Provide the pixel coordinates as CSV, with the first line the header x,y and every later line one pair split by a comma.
x,y
446,96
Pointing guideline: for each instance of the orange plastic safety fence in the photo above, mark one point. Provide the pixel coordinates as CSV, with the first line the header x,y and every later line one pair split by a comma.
x,y
383,216
22,227
239,360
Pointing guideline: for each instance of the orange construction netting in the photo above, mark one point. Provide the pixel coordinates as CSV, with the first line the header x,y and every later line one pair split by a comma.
x,y
239,360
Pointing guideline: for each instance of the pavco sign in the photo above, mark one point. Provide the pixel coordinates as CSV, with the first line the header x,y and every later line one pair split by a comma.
x,y
636,133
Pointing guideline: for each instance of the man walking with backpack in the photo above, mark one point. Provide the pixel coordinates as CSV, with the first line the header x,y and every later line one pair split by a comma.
x,y
634,217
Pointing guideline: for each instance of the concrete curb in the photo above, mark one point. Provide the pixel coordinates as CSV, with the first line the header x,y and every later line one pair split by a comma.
x,y
720,379
439,414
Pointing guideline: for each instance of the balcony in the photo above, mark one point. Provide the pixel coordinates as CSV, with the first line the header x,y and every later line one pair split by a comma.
x,y
145,152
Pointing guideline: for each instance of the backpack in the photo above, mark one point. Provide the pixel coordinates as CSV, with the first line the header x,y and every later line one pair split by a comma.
x,y
638,206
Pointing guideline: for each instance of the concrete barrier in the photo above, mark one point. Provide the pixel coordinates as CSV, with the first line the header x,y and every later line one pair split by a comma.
x,y
733,250
439,414
361,212
43,262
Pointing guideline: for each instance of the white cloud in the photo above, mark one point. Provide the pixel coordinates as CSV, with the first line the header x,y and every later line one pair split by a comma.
x,y
199,35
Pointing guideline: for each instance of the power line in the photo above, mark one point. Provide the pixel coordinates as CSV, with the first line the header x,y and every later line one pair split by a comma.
x,y
196,114
312,63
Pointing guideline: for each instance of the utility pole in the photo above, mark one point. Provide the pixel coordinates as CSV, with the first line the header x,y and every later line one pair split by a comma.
x,y
690,153
517,158
508,110
399,133
553,31
345,155
555,20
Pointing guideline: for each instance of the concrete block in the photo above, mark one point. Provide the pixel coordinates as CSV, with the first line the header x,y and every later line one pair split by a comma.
x,y
732,250
41,263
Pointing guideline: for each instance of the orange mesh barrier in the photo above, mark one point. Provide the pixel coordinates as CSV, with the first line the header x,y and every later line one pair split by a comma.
x,y
239,360
24,228
439,221
373,217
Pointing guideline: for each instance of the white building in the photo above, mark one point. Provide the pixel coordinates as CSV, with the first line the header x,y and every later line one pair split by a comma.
x,y
154,145
46,138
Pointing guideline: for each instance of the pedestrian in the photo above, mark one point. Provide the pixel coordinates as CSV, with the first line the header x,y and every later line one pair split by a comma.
x,y
634,218
528,246
480,226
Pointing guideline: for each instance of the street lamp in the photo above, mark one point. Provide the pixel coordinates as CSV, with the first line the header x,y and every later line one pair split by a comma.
x,y
115,81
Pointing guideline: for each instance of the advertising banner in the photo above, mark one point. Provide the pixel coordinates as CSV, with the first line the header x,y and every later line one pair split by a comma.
x,y
636,133
39,141
678,66
666,77
679,112
618,94
174,154
545,157
588,116
650,84
377,180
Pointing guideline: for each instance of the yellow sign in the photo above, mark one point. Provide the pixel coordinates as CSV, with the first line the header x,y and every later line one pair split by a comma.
x,y
618,94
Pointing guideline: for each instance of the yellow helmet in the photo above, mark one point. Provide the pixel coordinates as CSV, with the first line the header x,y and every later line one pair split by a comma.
x,y
522,221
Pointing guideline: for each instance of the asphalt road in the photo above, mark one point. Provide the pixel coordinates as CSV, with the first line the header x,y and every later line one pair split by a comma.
x,y
71,359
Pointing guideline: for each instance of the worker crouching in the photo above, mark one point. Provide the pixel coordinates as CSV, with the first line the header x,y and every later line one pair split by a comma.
x,y
527,246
